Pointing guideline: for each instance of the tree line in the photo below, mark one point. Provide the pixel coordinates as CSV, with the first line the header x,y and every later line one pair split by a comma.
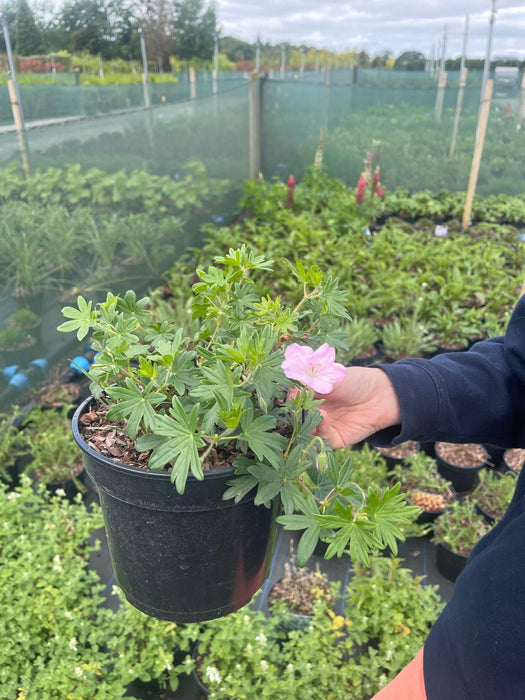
x,y
186,29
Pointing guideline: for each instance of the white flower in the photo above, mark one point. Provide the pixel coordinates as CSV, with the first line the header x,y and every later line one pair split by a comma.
x,y
73,644
212,674
60,492
78,671
289,668
12,495
264,665
261,638
382,680
57,563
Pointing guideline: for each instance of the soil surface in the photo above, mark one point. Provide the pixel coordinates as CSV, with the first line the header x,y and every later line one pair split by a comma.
x,y
514,459
299,589
109,439
465,455
406,449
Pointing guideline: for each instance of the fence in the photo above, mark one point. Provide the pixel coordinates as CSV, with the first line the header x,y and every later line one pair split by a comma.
x,y
272,126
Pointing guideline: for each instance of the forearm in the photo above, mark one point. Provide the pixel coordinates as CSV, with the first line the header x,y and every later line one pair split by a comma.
x,y
478,396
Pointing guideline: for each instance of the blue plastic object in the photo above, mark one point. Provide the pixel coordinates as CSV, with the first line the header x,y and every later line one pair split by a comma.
x,y
40,362
79,363
9,371
19,381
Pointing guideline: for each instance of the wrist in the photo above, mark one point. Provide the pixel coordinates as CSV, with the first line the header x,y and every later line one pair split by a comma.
x,y
389,410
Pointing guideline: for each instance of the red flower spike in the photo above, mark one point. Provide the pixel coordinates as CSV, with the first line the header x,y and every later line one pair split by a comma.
x,y
291,190
361,189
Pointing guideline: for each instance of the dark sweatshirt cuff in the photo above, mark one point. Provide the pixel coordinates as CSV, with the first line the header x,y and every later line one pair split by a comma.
x,y
418,397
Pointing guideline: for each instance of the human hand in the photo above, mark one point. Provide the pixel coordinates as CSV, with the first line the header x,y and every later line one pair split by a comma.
x,y
358,406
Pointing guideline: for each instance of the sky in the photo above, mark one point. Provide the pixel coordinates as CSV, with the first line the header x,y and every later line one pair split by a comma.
x,y
378,25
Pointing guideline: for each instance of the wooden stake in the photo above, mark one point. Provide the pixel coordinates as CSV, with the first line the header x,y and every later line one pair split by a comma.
x,y
478,151
440,96
193,80
145,90
521,105
19,128
459,104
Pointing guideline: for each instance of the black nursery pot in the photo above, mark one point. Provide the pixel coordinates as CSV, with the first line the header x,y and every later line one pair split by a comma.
x,y
463,479
449,563
183,558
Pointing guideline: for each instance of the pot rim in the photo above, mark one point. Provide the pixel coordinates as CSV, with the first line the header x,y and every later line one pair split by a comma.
x,y
115,465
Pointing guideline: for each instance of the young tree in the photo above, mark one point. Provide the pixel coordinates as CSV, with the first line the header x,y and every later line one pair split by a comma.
x,y
194,27
157,31
86,25
28,38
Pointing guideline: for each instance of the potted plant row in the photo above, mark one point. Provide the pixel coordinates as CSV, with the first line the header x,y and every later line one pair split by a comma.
x,y
456,532
195,442
424,486
387,615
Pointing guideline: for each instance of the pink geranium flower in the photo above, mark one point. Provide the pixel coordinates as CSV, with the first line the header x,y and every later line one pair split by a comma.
x,y
317,370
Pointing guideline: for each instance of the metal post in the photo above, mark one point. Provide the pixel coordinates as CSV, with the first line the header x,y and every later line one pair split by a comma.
x,y
100,66
53,64
255,129
464,51
444,50
145,74
12,70
459,104
258,55
486,65
283,61
317,60
301,69
216,53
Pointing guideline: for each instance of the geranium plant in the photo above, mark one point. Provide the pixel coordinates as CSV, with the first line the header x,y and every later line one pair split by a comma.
x,y
239,392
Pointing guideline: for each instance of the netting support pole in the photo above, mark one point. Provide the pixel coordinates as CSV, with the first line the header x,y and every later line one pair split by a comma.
x,y
145,74
193,83
521,105
215,85
20,130
440,96
255,131
478,152
459,104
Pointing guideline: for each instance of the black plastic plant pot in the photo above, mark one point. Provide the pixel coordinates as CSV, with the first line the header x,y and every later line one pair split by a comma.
x,y
183,558
449,563
69,487
463,479
494,456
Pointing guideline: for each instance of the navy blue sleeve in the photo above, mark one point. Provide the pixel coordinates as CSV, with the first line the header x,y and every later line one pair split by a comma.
x,y
474,396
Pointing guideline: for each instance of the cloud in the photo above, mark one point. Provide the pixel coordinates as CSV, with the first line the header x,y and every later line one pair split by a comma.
x,y
376,25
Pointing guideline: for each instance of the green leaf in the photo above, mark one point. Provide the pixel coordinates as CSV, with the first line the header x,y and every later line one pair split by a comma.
x,y
134,405
260,436
83,318
307,543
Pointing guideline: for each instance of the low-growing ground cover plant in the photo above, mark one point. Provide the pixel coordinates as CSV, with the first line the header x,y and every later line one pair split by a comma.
x,y
494,493
59,639
460,527
390,611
